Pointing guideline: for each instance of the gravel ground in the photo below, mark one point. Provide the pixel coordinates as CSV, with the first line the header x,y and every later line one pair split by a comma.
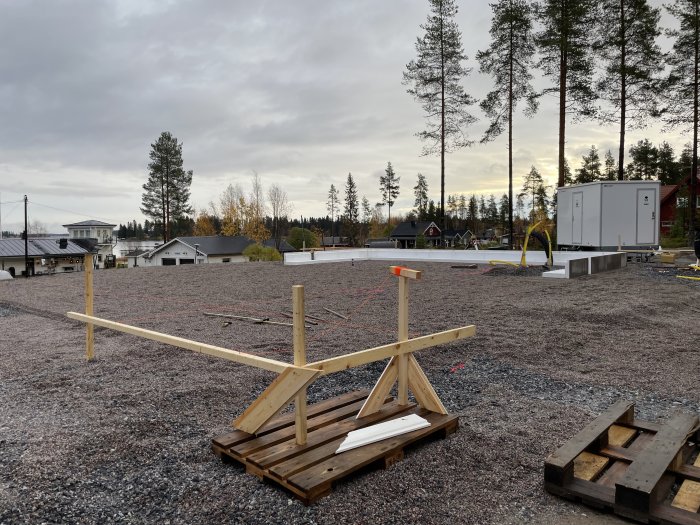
x,y
126,438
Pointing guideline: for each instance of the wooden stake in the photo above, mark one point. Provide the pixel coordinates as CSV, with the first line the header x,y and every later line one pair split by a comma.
x,y
90,334
403,336
299,360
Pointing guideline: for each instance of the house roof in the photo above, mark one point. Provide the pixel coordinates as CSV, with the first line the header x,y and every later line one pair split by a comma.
x,y
412,228
667,191
213,245
454,233
88,223
39,248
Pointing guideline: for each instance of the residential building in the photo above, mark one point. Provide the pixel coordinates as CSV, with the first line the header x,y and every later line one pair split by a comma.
x,y
102,231
45,256
673,197
406,233
203,250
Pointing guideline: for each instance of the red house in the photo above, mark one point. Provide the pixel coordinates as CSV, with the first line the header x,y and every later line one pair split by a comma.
x,y
669,202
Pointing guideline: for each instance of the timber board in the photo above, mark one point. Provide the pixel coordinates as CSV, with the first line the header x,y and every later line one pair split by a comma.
x,y
309,471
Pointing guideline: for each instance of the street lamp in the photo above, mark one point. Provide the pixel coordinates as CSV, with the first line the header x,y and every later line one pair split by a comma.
x,y
196,253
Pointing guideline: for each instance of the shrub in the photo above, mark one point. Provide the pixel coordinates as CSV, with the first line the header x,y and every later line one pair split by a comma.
x,y
257,252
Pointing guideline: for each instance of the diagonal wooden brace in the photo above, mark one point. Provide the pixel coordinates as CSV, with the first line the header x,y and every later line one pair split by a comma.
x,y
418,383
381,390
275,397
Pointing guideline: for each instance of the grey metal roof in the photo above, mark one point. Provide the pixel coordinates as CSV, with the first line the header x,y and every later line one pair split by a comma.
x,y
39,248
89,223
221,244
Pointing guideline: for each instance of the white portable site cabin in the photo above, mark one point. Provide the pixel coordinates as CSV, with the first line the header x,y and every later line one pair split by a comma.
x,y
602,215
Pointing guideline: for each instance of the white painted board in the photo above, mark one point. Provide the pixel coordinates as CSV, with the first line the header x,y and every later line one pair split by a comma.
x,y
381,431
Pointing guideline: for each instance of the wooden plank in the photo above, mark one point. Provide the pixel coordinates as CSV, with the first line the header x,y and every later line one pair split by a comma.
x,y
89,298
558,467
620,436
363,357
299,360
287,420
588,466
341,465
402,271
381,389
403,336
246,448
619,467
203,348
337,314
422,389
667,514
637,491
322,443
275,397
688,496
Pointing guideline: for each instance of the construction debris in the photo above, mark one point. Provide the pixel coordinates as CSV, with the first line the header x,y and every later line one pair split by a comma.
x,y
255,320
335,313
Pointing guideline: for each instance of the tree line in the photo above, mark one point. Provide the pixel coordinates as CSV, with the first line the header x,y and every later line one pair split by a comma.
x,y
602,59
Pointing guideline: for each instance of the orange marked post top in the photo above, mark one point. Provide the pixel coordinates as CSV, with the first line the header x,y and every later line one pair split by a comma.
x,y
402,271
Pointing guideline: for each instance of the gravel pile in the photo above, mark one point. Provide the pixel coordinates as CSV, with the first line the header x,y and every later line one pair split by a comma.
x,y
126,438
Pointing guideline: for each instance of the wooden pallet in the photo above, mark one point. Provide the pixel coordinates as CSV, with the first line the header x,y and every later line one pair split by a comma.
x,y
645,471
309,471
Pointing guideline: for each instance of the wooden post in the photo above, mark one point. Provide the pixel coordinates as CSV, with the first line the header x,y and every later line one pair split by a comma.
x,y
403,336
90,337
299,360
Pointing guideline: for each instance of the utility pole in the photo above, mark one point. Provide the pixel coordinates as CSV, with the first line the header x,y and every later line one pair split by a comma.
x,y
26,241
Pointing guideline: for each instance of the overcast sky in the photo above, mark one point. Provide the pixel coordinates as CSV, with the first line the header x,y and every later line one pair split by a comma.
x,y
302,92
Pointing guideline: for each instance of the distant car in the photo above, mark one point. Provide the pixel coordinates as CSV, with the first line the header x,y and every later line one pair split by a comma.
x,y
5,275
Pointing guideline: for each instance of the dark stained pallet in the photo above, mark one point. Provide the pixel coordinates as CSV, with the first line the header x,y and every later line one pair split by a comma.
x,y
640,470
309,471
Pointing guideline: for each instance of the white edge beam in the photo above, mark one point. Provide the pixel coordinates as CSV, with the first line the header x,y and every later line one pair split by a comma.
x,y
232,355
363,357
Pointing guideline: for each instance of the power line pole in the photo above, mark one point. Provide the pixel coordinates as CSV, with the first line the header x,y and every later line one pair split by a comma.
x,y
26,241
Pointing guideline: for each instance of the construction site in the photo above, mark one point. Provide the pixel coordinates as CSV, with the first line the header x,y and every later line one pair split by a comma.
x,y
513,371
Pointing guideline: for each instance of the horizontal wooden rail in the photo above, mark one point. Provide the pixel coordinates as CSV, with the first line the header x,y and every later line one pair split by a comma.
x,y
326,366
363,357
203,348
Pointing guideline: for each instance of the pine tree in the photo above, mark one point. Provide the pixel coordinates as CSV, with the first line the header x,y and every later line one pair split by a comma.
x,y
420,191
509,60
682,89
644,161
351,214
667,167
590,167
333,206
565,47
533,185
167,191
389,187
633,61
435,78
352,206
610,170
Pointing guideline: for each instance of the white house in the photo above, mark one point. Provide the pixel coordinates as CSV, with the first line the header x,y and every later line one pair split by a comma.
x,y
102,231
209,249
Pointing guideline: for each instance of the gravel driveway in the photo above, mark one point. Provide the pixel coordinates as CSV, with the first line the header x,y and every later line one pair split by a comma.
x,y
126,438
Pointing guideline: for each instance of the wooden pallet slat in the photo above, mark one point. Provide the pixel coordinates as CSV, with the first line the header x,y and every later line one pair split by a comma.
x,y
323,474
559,467
308,471
637,491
